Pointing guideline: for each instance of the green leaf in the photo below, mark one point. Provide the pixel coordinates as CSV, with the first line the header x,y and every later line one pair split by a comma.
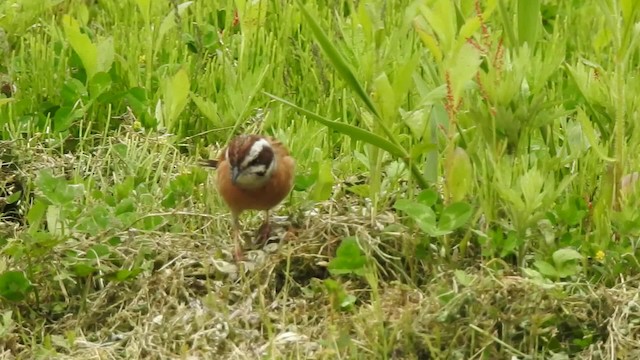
x,y
56,189
124,274
337,60
55,220
385,96
353,132
459,177
561,256
545,268
65,118
125,206
98,251
72,91
83,269
529,21
14,285
98,84
463,278
428,197
81,44
176,95
106,54
124,188
349,258
323,188
13,197
422,214
455,216
464,68
36,214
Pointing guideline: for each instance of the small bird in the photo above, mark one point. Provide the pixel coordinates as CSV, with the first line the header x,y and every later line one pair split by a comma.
x,y
254,172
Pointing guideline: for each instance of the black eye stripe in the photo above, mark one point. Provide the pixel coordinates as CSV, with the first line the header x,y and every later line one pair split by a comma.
x,y
254,162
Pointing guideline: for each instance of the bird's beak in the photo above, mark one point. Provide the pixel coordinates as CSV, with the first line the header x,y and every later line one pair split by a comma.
x,y
234,174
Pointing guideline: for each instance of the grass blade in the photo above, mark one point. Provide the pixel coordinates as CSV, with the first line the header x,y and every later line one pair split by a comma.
x,y
353,132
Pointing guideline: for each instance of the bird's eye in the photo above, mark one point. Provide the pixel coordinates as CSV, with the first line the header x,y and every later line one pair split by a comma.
x,y
254,162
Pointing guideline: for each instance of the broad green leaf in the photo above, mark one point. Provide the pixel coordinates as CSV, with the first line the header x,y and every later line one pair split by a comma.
x,y
124,274
529,21
459,176
176,96
562,256
137,98
465,65
55,220
125,206
81,44
106,54
14,197
463,278
422,214
98,251
545,268
590,133
14,285
36,214
428,197
98,84
83,269
65,117
323,188
72,91
337,60
416,121
349,258
353,132
455,216
385,96
123,188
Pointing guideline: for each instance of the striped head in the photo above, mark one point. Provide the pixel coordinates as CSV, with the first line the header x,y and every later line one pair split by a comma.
x,y
252,161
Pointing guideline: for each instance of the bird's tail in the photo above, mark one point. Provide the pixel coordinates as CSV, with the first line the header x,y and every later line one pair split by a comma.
x,y
208,163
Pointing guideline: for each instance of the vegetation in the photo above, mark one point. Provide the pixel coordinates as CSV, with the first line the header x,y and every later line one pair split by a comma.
x,y
466,179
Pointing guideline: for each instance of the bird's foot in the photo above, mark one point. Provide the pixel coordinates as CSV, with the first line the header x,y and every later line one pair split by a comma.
x,y
263,233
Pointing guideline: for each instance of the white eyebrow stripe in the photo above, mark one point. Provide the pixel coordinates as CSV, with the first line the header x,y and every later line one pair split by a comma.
x,y
258,168
255,150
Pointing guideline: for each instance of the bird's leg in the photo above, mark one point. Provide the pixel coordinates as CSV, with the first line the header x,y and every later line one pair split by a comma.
x,y
265,230
238,255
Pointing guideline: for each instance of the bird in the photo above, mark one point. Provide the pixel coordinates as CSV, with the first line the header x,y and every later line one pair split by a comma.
x,y
254,172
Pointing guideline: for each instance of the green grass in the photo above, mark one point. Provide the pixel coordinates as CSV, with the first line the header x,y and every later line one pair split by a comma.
x,y
466,179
